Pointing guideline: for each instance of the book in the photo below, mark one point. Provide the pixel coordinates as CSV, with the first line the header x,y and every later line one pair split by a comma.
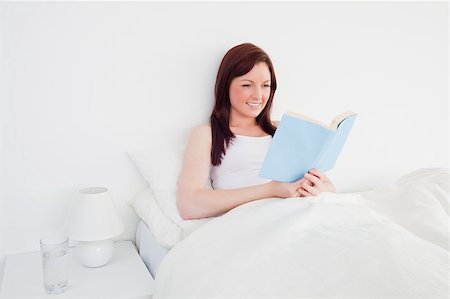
x,y
301,143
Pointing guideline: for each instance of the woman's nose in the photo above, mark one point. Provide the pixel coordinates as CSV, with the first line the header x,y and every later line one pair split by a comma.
x,y
257,93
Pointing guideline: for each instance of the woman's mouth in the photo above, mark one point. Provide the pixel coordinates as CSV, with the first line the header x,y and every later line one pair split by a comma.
x,y
254,105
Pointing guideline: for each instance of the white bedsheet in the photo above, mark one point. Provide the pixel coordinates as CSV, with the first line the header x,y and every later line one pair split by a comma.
x,y
332,245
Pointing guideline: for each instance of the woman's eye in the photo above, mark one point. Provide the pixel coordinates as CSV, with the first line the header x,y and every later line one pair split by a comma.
x,y
266,85
246,85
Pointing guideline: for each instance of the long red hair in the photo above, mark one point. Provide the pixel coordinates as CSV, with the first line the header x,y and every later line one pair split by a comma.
x,y
238,61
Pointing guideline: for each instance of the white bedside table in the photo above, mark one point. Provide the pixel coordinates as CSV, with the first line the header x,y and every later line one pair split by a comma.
x,y
125,276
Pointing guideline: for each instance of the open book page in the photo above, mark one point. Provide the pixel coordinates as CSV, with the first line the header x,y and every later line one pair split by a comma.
x,y
333,125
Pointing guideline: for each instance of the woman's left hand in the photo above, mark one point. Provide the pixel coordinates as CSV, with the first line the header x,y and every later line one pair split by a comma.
x,y
314,183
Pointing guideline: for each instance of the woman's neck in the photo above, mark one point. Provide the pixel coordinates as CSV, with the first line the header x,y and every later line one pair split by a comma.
x,y
247,128
242,122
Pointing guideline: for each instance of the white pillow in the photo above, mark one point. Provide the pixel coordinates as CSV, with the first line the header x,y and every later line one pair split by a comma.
x,y
167,232
157,205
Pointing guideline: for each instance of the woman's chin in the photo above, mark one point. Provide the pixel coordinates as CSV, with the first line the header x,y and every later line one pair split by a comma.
x,y
254,112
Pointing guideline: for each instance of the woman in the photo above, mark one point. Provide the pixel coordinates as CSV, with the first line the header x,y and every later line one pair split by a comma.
x,y
230,150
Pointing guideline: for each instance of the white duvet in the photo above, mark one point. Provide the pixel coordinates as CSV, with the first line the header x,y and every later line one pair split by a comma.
x,y
391,242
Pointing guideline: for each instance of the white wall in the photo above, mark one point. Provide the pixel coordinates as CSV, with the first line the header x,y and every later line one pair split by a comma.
x,y
2,146
84,82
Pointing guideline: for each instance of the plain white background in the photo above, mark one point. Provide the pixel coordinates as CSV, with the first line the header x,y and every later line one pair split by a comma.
x,y
82,83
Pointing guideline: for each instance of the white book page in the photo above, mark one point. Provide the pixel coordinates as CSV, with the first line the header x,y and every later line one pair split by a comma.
x,y
333,125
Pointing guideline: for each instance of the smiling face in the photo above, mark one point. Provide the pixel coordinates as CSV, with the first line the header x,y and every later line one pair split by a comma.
x,y
249,93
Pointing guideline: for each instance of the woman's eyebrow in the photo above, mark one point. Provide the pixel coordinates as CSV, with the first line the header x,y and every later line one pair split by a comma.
x,y
252,81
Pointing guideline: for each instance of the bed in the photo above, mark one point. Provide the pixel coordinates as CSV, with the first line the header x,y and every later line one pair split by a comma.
x,y
389,242
329,246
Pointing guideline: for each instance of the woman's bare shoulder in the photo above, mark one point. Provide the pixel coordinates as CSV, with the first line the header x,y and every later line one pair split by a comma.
x,y
201,132
202,129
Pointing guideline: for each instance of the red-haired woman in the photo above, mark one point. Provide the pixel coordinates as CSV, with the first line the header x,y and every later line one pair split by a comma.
x,y
228,153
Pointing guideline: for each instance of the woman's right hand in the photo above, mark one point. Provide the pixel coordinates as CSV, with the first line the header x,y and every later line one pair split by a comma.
x,y
286,190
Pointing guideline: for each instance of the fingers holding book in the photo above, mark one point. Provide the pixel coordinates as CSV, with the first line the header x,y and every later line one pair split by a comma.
x,y
315,182
312,183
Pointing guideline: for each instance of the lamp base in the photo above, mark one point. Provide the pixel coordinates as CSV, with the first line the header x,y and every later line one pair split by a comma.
x,y
95,253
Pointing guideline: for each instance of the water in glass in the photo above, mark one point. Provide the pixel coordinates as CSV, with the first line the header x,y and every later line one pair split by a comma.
x,y
55,264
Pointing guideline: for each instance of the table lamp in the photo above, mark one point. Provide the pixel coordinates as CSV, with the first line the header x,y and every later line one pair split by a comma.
x,y
93,221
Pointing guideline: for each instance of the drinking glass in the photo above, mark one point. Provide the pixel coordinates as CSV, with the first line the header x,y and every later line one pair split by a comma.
x,y
54,252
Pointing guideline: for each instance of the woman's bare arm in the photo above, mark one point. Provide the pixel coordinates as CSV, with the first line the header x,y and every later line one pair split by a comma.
x,y
196,200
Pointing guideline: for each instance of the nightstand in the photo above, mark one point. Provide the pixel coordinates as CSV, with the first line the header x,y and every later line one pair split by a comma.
x,y
125,276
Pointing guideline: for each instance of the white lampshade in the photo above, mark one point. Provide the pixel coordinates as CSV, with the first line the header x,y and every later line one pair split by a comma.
x,y
93,216
93,221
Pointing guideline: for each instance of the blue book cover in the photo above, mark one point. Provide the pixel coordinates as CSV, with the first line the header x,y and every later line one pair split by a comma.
x,y
301,143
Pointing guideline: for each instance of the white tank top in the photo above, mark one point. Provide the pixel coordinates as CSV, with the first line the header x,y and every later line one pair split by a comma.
x,y
241,164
